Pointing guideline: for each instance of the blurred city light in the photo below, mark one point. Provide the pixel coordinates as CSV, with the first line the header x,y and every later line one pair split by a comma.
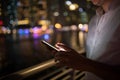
x,y
26,31
73,27
14,31
46,36
23,22
20,31
44,22
8,31
73,7
80,9
31,30
1,22
3,30
68,3
58,25
83,27
56,14
44,28
66,28
36,30
86,27
35,36
65,13
80,26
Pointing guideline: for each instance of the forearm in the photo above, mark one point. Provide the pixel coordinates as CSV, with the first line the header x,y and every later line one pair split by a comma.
x,y
104,71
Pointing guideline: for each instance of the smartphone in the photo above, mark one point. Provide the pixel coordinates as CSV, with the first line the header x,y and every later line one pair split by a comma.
x,y
49,46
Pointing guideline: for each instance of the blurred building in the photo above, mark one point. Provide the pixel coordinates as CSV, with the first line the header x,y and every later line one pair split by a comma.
x,y
70,12
13,11
32,12
8,13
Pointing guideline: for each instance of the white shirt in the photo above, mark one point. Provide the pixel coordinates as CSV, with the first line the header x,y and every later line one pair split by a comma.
x,y
103,41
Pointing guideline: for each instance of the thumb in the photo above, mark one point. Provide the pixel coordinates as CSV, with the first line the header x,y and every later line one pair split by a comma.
x,y
61,45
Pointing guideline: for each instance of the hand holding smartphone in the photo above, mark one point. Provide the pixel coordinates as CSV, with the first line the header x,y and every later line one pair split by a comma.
x,y
51,47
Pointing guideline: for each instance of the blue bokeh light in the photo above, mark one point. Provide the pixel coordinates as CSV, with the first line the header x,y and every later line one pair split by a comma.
x,y
46,36
20,31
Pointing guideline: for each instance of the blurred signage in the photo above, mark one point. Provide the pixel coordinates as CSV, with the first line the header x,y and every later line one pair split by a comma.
x,y
23,22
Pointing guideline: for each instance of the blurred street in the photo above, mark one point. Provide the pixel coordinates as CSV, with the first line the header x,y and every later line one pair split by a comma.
x,y
24,23
19,51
